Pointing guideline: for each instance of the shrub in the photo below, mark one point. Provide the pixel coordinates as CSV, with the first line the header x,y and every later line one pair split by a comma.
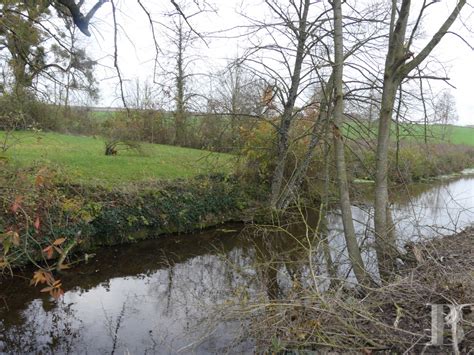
x,y
258,152
417,162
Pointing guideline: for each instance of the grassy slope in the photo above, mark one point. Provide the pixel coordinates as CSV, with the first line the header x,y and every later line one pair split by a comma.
x,y
462,135
438,133
435,133
83,159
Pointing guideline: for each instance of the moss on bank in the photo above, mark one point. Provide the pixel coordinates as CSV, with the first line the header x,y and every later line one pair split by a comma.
x,y
179,206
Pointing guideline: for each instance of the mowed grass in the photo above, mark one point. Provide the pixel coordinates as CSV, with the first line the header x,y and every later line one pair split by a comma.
x,y
83,160
435,133
439,133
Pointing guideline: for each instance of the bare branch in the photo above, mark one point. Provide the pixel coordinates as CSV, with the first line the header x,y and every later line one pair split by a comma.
x,y
81,20
116,56
408,67
186,19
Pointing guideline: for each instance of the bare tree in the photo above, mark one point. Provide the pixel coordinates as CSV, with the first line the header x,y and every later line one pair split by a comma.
x,y
349,231
286,44
355,58
239,91
175,72
237,99
400,62
301,33
183,39
445,112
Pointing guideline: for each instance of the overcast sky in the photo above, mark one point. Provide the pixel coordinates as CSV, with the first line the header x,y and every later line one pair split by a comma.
x,y
136,49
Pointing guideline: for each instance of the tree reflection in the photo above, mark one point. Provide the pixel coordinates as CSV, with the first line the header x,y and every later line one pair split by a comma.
x,y
45,327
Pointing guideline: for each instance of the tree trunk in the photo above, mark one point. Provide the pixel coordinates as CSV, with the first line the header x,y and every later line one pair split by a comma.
x,y
296,180
349,232
180,113
396,69
331,266
288,111
385,246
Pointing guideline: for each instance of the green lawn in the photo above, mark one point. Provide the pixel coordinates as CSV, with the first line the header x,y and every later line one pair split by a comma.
x,y
439,133
435,133
83,159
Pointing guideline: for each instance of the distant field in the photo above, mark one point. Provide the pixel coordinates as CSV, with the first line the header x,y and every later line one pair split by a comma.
x,y
83,159
102,116
435,133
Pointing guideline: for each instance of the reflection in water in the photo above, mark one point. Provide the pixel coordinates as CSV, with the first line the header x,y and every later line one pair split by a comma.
x,y
419,212
43,327
424,213
158,296
444,209
153,297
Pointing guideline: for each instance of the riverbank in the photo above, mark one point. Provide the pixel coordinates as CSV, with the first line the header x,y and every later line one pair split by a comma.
x,y
413,162
41,209
61,195
58,204
45,219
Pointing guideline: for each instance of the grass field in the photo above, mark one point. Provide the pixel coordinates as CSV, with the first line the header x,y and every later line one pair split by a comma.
x,y
83,159
435,133
438,133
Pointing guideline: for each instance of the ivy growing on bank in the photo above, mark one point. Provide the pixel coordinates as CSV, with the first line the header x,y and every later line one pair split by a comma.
x,y
38,211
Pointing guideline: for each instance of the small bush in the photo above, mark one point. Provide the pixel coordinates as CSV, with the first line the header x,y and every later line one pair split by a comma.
x,y
417,162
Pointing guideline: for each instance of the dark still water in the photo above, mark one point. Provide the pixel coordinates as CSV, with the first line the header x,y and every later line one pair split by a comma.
x,y
169,295
150,297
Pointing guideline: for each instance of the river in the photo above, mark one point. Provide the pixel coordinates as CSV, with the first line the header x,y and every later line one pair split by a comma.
x,y
163,296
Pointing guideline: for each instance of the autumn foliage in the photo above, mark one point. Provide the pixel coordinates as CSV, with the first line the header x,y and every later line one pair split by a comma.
x,y
29,206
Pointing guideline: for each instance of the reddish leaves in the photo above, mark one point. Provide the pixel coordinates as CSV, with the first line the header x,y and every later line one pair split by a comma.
x,y
42,277
45,277
50,249
54,290
17,203
59,241
49,252
37,223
